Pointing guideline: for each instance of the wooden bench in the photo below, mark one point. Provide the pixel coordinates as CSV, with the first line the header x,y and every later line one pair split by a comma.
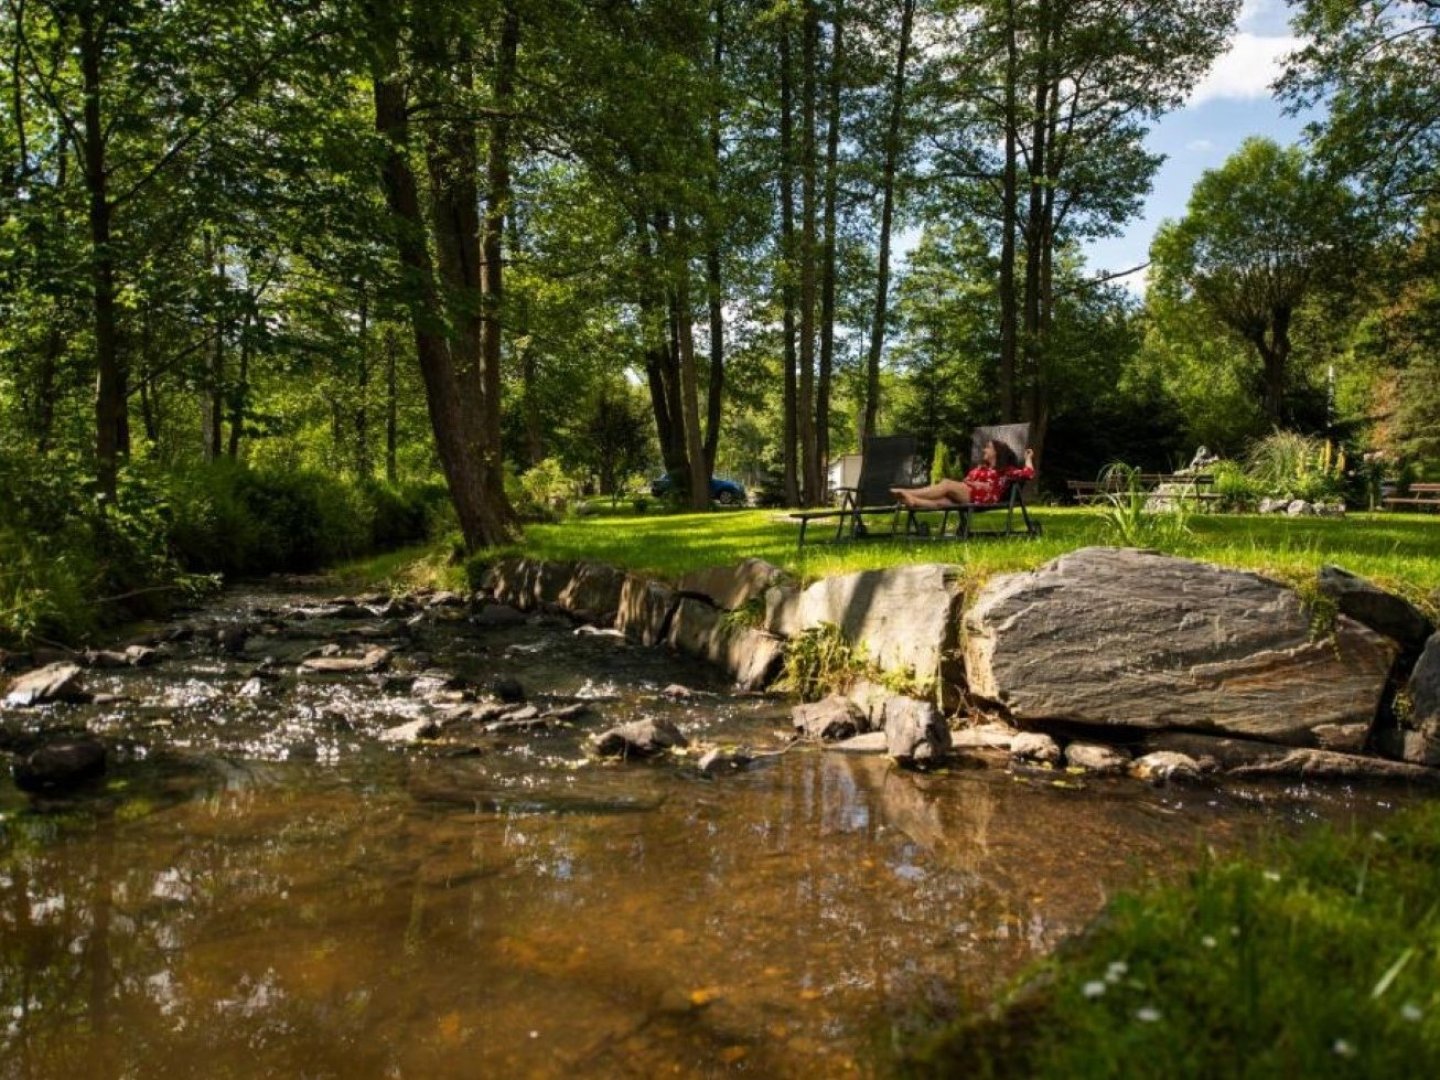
x,y
1196,487
1421,497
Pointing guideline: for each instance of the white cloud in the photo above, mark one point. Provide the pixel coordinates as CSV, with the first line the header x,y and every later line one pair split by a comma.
x,y
1200,146
1264,16
1246,70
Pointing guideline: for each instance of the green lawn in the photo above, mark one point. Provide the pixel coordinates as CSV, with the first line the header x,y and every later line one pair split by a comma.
x,y
1314,958
1398,551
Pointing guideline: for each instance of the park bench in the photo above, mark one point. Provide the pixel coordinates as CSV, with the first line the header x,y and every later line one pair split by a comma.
x,y
1421,497
1197,486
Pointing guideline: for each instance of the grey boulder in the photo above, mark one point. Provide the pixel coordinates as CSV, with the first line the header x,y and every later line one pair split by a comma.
x,y
1381,611
915,732
51,683
1116,636
834,718
640,738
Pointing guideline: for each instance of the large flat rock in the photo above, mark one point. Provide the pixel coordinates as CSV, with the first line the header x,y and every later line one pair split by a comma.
x,y
1116,636
751,656
1422,725
645,609
730,587
593,593
905,617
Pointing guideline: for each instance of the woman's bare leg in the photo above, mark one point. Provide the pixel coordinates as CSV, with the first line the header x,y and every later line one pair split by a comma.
x,y
934,496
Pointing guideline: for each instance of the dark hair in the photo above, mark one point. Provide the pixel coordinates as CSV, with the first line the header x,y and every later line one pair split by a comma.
x,y
1005,456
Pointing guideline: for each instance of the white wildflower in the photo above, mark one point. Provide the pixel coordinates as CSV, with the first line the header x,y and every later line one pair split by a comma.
x,y
1208,941
1147,1015
1412,1012
1093,989
1116,971
1343,1048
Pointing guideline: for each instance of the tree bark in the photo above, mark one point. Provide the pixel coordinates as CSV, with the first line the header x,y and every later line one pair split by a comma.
x,y
362,389
689,376
240,392
887,220
714,285
112,435
215,385
805,401
827,254
789,300
1035,238
481,523
392,408
492,292
1009,214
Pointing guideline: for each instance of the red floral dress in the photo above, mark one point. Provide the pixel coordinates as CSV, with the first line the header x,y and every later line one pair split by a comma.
x,y
988,486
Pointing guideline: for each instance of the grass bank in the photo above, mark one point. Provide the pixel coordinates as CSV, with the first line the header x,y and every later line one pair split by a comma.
x,y
1398,551
1317,957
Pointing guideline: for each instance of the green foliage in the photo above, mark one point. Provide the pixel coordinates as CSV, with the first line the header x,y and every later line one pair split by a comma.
x,y
1316,958
546,489
70,562
1289,465
1129,518
941,465
819,661
1238,491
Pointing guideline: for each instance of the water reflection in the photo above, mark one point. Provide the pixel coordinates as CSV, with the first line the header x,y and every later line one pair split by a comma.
x,y
520,913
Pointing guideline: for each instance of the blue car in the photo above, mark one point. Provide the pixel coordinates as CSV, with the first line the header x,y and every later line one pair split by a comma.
x,y
724,492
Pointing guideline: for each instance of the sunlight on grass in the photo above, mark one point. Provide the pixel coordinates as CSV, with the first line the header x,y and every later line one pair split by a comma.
x,y
1399,552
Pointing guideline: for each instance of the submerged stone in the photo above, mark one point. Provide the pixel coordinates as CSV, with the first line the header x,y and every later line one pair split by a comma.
x,y
60,765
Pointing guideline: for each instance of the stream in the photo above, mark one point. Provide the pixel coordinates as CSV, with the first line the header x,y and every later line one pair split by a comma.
x,y
261,884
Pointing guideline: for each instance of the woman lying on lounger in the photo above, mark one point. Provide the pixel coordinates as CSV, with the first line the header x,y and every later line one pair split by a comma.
x,y
984,485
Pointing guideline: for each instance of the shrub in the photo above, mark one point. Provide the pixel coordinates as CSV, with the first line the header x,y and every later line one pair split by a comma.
x,y
1237,491
1289,465
1127,517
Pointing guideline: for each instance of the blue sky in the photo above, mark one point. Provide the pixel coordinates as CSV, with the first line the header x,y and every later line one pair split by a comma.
x,y
1232,103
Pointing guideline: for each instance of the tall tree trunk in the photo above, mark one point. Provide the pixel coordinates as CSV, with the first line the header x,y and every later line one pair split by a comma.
x,y
689,376
528,359
714,286
887,221
1040,127
805,401
44,415
362,389
789,299
215,384
481,523
240,392
112,435
1274,361
828,246
492,291
392,405
1009,214
662,338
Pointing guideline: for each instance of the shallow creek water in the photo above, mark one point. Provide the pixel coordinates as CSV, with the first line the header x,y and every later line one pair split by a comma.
x,y
262,886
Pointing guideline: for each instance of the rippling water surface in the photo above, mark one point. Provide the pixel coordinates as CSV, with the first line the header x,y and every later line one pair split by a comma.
x,y
263,886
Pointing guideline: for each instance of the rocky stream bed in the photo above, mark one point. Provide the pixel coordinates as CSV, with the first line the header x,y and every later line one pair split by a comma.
x,y
358,836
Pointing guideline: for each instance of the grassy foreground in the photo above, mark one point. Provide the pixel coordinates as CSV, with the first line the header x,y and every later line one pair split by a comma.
x,y
1313,958
1398,551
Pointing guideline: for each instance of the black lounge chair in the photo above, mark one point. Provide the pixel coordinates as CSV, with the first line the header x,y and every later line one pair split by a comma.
x,y
888,462
1017,437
